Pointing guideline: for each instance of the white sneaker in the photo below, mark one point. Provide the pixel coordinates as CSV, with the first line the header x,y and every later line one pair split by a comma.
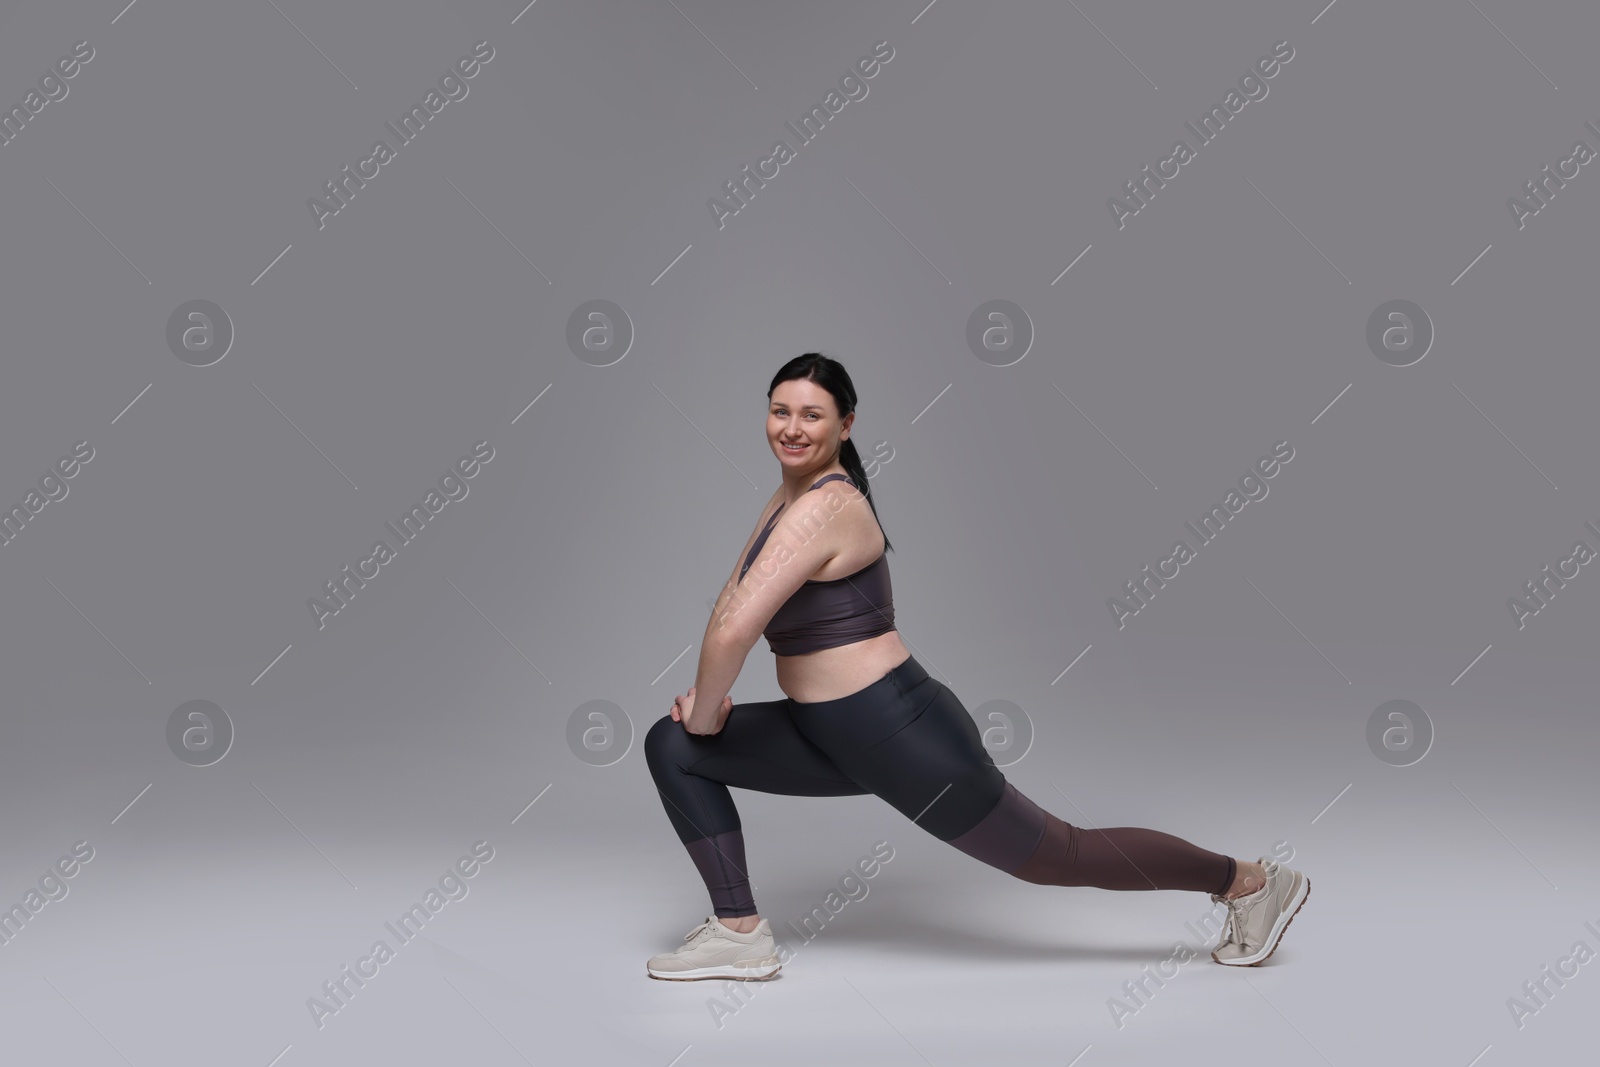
x,y
1256,922
715,951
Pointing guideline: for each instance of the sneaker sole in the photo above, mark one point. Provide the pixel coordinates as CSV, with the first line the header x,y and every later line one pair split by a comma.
x,y
727,972
1277,931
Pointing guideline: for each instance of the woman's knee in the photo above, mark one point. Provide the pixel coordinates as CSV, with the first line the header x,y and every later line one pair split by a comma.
x,y
664,744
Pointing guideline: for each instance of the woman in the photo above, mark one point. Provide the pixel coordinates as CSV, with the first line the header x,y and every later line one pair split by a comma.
x,y
863,716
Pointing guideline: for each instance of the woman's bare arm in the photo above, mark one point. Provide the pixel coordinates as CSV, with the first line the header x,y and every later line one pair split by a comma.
x,y
738,561
792,553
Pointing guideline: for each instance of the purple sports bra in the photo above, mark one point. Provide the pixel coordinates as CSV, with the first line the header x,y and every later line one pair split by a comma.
x,y
826,614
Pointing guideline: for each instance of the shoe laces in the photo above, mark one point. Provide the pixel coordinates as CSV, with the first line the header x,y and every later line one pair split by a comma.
x,y
1238,907
705,929
1233,930
1230,929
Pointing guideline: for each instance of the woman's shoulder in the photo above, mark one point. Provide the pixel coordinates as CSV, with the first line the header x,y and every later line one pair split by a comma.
x,y
843,487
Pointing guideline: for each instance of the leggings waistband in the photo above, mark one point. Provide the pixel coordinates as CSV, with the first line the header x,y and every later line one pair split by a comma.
x,y
898,681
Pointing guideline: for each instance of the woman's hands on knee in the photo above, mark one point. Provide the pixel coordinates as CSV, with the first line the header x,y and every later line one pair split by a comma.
x,y
683,706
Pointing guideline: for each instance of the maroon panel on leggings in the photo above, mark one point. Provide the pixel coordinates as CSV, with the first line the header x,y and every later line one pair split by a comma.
x,y
1124,857
1008,835
720,860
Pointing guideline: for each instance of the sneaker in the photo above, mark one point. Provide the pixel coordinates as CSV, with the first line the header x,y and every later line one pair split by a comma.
x,y
715,951
1256,922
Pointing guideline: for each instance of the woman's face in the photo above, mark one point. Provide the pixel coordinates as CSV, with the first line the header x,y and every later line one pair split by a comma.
x,y
803,413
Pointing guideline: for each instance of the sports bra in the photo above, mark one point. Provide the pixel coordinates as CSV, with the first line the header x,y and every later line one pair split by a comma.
x,y
826,614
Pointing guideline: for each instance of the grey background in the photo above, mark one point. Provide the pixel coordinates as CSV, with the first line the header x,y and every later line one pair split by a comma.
x,y
1226,316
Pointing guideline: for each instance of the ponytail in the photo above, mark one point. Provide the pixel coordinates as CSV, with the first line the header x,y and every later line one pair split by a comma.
x,y
858,474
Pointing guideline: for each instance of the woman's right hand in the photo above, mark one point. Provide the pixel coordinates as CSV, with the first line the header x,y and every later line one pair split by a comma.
x,y
687,700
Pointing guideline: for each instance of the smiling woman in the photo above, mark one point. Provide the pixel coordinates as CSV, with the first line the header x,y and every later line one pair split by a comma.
x,y
861,716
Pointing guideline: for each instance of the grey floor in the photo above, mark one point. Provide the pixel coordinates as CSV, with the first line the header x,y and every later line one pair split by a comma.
x,y
1424,920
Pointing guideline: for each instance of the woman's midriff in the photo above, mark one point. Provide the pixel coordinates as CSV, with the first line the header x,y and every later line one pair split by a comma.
x,y
831,673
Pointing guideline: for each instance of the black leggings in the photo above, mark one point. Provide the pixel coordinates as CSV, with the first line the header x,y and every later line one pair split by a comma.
x,y
907,739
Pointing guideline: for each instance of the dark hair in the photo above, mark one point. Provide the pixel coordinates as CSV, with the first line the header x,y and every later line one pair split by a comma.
x,y
831,375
